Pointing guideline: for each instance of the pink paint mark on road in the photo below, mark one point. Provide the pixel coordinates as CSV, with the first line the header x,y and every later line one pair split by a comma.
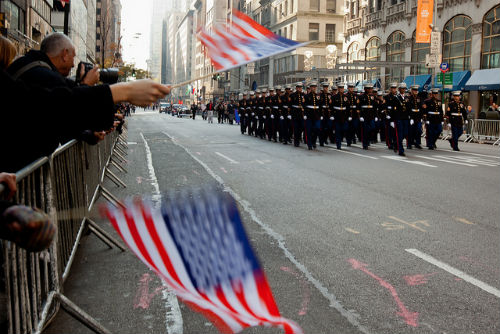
x,y
196,172
185,178
143,297
457,279
479,264
139,179
418,279
198,153
411,318
223,169
306,292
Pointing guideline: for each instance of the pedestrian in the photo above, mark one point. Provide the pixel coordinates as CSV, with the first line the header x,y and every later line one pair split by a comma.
x,y
210,115
340,115
194,109
367,115
298,101
416,114
433,114
353,119
312,116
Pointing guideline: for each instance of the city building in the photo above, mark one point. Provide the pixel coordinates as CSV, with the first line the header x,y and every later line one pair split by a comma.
x,y
108,32
159,9
384,30
184,56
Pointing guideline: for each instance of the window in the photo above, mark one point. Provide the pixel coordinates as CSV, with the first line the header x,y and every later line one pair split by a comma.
x,y
281,10
291,6
396,53
418,53
291,31
314,5
285,8
490,53
331,6
330,33
372,53
457,43
313,31
379,4
285,33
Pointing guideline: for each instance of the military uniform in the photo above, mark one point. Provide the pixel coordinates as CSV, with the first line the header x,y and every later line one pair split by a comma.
x,y
390,120
380,118
456,115
260,113
402,119
251,120
326,123
285,118
275,114
340,105
242,110
267,115
433,113
353,119
297,102
367,116
312,117
414,106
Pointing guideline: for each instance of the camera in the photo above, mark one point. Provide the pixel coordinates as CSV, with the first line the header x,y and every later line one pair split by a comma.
x,y
107,76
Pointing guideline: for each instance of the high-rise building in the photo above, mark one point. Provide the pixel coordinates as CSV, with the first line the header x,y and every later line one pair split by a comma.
x,y
159,9
108,32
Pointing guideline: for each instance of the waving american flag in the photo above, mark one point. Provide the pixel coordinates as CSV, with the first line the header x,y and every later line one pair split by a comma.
x,y
197,244
242,42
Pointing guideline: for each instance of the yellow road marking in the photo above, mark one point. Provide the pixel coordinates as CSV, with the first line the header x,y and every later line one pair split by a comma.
x,y
351,230
414,224
463,220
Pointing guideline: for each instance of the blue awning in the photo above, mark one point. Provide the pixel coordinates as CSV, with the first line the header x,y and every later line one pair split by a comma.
x,y
484,80
459,80
375,82
423,80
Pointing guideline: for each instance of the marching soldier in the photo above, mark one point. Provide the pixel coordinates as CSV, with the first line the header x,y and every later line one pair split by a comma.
x,y
251,104
380,117
433,113
242,109
286,116
353,119
267,114
367,115
326,123
456,116
340,116
260,114
312,116
416,113
275,113
391,123
297,102
401,117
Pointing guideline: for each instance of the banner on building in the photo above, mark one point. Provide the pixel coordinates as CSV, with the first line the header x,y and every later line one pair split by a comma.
x,y
425,10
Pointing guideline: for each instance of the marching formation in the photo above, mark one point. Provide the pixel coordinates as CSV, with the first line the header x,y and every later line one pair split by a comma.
x,y
333,115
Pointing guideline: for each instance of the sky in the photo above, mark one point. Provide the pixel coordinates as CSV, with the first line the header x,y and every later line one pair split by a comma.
x,y
136,19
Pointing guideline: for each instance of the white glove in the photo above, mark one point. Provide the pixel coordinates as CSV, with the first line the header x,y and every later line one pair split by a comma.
x,y
264,117
442,123
256,117
392,124
349,119
412,122
376,119
427,122
321,118
466,122
305,117
253,114
289,116
388,117
281,117
449,125
332,118
272,116
361,119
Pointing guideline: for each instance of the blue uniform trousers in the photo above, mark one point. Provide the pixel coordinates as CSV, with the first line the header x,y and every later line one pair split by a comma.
x,y
401,133
366,132
415,134
434,130
312,131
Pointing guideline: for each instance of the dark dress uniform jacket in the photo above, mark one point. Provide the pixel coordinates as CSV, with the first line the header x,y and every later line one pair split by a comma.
x,y
456,113
433,111
340,107
367,107
414,107
298,104
312,100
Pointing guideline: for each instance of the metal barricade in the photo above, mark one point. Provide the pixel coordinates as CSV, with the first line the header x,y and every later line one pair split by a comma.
x,y
65,185
485,130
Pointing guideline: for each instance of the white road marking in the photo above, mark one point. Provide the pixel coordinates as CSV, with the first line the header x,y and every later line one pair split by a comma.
x,y
131,143
448,161
404,159
260,162
460,274
348,314
227,158
471,160
173,316
343,150
476,154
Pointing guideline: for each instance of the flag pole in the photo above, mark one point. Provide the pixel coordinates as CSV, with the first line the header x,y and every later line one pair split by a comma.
x,y
195,79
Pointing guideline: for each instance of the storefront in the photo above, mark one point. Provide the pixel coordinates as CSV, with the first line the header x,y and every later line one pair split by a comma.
x,y
487,84
423,81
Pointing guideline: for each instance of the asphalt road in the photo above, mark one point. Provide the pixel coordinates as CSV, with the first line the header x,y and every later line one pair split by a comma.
x,y
352,241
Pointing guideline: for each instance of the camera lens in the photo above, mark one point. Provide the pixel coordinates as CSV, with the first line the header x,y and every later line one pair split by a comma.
x,y
109,75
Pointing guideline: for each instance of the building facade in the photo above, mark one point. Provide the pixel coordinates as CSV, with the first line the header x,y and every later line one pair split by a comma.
x,y
384,30
108,32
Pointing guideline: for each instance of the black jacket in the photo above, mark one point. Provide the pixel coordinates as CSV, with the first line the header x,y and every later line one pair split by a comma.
x,y
32,118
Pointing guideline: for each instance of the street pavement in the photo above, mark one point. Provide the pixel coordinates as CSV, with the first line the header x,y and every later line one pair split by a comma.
x,y
352,241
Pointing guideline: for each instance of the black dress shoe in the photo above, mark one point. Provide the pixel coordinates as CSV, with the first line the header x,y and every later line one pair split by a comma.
x,y
402,154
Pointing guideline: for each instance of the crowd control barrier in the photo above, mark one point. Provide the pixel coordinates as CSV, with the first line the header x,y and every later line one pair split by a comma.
x,y
65,185
484,130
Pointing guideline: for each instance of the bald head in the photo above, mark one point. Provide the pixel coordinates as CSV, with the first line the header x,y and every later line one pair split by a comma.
x,y
60,50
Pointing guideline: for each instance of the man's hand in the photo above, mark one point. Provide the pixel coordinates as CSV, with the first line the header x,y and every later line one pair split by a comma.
x,y
119,116
140,93
99,135
92,77
10,181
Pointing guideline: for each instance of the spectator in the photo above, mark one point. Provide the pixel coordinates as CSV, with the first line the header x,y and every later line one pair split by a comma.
x,y
28,133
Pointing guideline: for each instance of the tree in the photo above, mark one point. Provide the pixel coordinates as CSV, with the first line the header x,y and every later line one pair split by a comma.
x,y
129,70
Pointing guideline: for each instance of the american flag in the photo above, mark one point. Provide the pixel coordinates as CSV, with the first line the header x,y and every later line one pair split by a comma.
x,y
241,42
197,244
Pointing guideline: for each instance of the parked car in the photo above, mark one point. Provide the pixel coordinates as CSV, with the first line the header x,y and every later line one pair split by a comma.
x,y
164,107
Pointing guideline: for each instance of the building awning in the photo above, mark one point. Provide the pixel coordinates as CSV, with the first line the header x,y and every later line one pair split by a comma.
x,y
423,80
484,80
375,82
459,80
